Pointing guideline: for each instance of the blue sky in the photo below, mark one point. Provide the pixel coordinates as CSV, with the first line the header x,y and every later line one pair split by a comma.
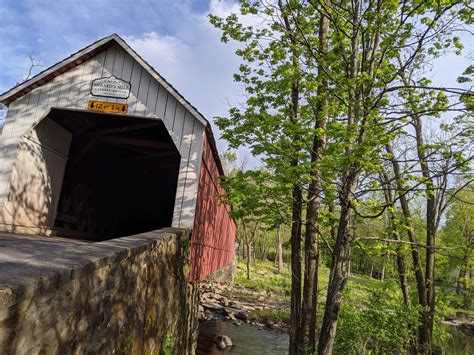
x,y
173,35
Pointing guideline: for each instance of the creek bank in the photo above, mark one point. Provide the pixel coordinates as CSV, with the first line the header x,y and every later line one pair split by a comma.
x,y
237,305
240,305
462,322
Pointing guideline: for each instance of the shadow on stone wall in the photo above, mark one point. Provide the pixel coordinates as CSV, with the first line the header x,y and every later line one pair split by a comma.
x,y
126,295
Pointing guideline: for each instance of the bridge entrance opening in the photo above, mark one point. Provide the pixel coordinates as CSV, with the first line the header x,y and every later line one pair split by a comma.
x,y
92,176
120,177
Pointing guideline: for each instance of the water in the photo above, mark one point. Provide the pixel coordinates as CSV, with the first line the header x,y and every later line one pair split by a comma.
x,y
251,340
248,339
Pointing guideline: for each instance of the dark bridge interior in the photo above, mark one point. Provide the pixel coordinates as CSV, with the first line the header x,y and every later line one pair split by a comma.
x,y
120,178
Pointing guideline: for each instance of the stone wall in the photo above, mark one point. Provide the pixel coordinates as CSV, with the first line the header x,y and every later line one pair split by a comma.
x,y
122,296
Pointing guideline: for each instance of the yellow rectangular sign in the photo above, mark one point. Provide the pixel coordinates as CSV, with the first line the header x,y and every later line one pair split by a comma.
x,y
103,106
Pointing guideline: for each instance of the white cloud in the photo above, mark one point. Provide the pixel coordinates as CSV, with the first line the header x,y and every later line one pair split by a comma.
x,y
174,37
194,61
165,50
223,8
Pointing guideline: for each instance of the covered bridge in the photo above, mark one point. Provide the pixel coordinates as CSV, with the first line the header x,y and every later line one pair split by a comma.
x,y
101,146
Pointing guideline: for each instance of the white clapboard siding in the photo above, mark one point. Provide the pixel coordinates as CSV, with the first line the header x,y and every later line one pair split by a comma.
x,y
152,99
108,66
191,150
118,62
176,128
37,175
162,102
83,88
142,94
63,95
168,118
10,133
149,97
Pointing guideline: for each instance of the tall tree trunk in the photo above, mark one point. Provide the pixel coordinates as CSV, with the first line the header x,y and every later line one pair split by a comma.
x,y
310,290
339,267
468,290
297,198
295,310
417,263
431,228
400,258
402,278
295,307
461,281
382,276
279,250
254,256
333,230
248,261
342,248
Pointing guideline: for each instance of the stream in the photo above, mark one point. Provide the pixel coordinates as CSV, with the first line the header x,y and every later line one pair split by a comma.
x,y
248,339
252,340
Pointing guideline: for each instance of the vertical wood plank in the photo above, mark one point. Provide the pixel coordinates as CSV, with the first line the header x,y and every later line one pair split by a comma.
x,y
142,95
96,72
28,117
75,88
109,61
128,64
135,85
152,98
178,124
108,67
184,149
35,182
10,120
85,85
7,147
43,105
168,119
119,62
63,98
161,103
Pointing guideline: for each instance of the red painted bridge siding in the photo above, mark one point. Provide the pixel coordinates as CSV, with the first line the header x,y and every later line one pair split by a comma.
x,y
212,242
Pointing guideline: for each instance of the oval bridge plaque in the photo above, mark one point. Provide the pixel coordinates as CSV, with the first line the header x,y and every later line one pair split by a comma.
x,y
111,87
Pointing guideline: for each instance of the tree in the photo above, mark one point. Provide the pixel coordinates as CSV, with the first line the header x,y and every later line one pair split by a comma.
x,y
270,124
279,249
382,45
458,238
256,205
315,187
34,62
324,81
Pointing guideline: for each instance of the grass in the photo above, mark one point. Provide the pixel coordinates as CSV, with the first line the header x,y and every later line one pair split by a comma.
x,y
271,317
372,311
454,305
264,276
